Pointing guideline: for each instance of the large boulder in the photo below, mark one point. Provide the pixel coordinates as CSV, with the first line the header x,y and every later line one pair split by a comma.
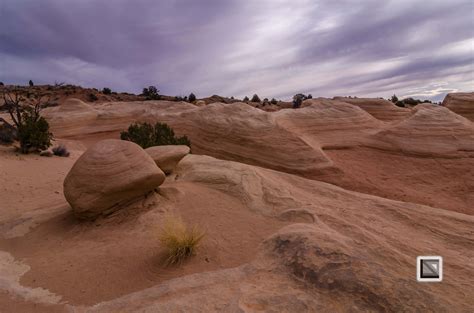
x,y
108,176
167,157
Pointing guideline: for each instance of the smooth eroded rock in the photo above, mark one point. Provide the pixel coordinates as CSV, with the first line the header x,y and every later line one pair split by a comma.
x,y
108,176
167,157
461,103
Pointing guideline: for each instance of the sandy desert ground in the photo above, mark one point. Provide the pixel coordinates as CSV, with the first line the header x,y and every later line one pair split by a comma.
x,y
319,209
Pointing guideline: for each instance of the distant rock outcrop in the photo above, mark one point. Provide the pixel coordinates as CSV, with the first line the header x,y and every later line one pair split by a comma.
x,y
432,130
461,103
381,109
108,176
167,157
326,122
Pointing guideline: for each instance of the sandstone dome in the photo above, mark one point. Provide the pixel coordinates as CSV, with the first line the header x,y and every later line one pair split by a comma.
x,y
381,109
72,117
109,175
461,103
431,130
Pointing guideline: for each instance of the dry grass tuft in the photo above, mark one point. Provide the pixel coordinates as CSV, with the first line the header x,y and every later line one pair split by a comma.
x,y
179,241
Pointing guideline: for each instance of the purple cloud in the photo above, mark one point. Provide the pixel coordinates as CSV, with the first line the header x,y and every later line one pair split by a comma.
x,y
274,48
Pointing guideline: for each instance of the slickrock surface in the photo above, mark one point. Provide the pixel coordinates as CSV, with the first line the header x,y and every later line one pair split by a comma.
x,y
431,130
72,117
275,241
326,122
336,263
167,157
239,132
462,103
108,176
381,109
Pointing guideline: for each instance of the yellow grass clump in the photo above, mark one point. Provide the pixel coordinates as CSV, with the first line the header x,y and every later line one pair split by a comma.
x,y
179,241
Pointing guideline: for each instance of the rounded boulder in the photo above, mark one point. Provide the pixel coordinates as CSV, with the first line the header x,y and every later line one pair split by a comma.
x,y
108,176
167,157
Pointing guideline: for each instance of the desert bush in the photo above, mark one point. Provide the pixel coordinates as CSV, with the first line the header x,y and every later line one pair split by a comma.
x,y
34,133
179,241
310,96
146,135
297,100
151,93
61,151
273,101
31,128
1,84
246,99
192,97
400,104
31,83
255,98
106,91
92,97
394,99
8,133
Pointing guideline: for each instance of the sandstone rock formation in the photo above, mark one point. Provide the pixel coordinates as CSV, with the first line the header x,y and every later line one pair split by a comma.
x,y
328,123
239,132
432,130
72,117
109,175
200,103
167,157
462,103
381,109
339,262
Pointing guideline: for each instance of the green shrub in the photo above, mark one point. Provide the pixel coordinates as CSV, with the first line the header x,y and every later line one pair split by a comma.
x,y
400,104
246,99
92,97
106,91
146,135
273,101
298,100
192,97
394,99
255,98
33,133
29,127
8,133
151,93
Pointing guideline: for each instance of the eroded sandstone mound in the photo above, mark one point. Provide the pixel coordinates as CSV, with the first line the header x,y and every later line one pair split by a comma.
x,y
461,102
381,109
109,175
239,132
70,118
431,130
167,157
325,122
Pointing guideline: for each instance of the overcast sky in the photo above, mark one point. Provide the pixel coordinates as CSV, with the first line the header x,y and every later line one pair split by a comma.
x,y
240,47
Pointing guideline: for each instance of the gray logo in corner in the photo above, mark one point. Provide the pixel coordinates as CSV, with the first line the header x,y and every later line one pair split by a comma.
x,y
429,268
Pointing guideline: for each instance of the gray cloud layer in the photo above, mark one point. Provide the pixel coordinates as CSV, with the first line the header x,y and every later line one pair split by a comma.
x,y
239,47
